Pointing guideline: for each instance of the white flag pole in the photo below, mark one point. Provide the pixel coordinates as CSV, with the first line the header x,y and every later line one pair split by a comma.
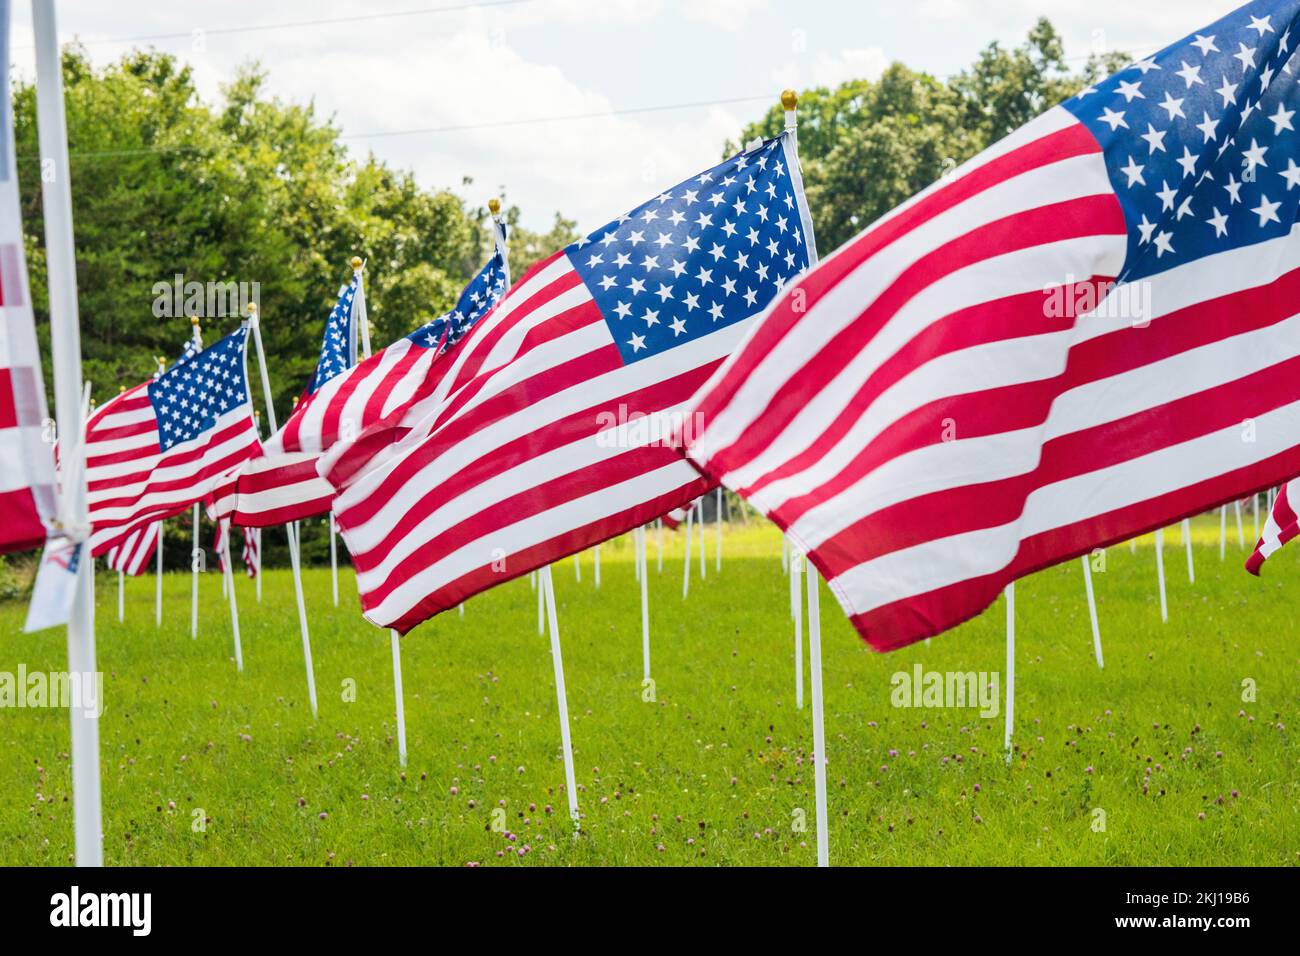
x,y
700,524
1092,610
577,566
257,562
1011,666
659,542
334,559
596,555
1241,533
291,529
819,723
1187,541
65,341
196,555
196,550
1223,532
157,595
686,570
397,696
1160,572
717,544
561,697
228,576
645,602
796,614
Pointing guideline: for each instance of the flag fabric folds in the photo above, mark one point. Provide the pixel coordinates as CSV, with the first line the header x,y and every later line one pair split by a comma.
x,y
1088,331
342,401
132,553
161,446
1281,526
548,431
27,497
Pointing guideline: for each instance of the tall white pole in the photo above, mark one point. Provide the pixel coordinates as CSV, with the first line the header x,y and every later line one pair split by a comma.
x,y
686,570
700,524
228,575
1187,543
65,341
577,566
1160,572
561,697
796,614
291,529
1092,610
257,562
157,595
1011,667
397,696
596,557
819,722
196,555
717,544
645,602
334,559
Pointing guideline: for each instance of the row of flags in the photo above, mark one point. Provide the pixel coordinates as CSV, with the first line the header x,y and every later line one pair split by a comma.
x,y
1084,333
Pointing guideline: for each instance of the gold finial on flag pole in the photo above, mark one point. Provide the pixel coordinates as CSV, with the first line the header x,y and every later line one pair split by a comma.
x,y
356,263
789,100
494,207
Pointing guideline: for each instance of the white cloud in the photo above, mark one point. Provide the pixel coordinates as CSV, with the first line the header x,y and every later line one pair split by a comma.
x,y
825,69
724,14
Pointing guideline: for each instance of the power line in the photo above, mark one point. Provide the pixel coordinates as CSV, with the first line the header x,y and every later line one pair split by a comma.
x,y
427,130
298,24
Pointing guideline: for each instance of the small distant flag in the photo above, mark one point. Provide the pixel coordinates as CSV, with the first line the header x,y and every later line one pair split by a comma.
x,y
1280,527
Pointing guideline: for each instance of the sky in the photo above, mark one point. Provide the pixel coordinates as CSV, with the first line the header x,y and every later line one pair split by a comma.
x,y
518,94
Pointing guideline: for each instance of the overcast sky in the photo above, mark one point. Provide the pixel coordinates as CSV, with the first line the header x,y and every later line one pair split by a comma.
x,y
406,83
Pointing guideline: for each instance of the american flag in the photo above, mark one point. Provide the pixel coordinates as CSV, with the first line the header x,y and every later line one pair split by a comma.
x,y
673,520
161,446
549,431
943,406
1282,524
132,553
341,401
27,499
252,545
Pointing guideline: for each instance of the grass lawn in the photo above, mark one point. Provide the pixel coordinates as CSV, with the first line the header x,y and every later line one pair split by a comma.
x,y
1155,760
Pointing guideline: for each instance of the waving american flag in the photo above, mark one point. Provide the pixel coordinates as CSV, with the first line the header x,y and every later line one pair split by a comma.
x,y
343,399
1087,332
547,433
161,446
132,553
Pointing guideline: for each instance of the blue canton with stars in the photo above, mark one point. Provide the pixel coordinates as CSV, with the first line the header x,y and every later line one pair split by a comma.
x,y
338,349
188,398
478,297
708,253
1201,140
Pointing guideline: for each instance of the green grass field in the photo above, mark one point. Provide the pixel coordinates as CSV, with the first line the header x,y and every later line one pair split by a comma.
x,y
716,770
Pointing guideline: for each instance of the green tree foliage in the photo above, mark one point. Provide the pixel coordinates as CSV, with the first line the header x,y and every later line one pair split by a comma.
x,y
867,146
252,189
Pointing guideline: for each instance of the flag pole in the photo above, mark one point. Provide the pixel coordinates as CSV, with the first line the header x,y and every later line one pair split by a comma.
x,y
796,614
228,577
65,341
1092,610
686,571
291,529
659,543
1187,542
596,556
700,525
257,532
717,521
561,698
157,596
196,553
1223,532
645,601
819,722
1160,572
1241,534
1011,666
395,639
